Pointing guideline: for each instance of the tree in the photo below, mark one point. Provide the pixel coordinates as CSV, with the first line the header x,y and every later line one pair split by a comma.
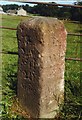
x,y
64,12
45,10
76,13
11,6
26,7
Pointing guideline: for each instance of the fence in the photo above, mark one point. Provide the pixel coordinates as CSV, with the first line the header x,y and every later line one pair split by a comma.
x,y
71,34
68,34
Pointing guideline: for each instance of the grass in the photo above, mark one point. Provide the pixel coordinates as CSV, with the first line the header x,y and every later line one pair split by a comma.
x,y
9,65
73,99
73,96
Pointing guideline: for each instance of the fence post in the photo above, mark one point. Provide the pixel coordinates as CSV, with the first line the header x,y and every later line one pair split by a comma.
x,y
41,63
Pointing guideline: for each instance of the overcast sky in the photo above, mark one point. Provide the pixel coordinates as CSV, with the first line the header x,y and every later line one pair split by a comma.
x,y
57,1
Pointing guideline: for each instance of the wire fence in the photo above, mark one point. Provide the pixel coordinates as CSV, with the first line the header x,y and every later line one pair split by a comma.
x,y
74,34
15,53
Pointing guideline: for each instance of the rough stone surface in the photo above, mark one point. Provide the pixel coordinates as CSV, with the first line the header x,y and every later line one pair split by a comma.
x,y
41,48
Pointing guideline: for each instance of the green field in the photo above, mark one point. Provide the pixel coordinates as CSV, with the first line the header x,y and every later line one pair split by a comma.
x,y
73,99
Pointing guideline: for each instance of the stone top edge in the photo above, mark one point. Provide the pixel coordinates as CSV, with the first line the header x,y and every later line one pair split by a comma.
x,y
39,20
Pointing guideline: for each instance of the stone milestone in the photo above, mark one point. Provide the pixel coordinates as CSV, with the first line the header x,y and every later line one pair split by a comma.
x,y
41,66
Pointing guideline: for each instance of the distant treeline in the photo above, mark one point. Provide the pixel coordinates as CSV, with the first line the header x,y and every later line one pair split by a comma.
x,y
70,13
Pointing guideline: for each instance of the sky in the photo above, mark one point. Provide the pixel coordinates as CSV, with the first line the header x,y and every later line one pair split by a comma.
x,y
57,1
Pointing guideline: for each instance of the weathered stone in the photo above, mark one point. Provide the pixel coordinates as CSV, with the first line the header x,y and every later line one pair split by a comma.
x,y
41,48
